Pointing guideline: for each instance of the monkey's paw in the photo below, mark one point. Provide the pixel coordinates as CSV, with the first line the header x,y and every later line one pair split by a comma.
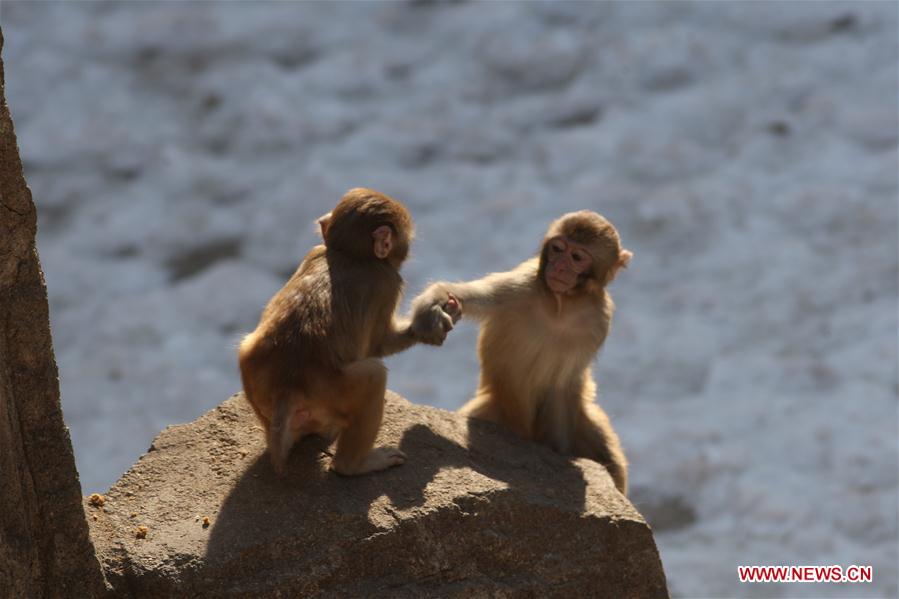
x,y
432,322
453,308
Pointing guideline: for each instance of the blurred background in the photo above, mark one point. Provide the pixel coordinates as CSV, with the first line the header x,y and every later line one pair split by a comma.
x,y
178,154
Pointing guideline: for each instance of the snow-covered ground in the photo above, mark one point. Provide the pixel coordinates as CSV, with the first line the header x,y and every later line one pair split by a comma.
x,y
179,152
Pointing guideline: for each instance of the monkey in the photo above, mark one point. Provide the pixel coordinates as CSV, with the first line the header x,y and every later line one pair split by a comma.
x,y
312,365
541,325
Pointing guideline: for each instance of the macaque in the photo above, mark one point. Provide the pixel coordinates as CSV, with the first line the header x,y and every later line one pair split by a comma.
x,y
542,324
313,366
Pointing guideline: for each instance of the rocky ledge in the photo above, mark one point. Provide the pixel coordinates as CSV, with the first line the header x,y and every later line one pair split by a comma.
x,y
474,511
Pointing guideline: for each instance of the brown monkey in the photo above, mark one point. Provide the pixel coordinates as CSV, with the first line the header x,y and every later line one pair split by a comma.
x,y
541,326
312,365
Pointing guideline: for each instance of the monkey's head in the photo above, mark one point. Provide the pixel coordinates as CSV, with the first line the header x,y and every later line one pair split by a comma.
x,y
581,251
367,224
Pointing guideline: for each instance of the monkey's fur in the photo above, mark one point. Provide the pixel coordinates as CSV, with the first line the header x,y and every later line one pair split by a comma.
x,y
312,365
536,346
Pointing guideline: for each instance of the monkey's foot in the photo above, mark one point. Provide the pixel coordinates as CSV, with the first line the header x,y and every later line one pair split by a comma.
x,y
380,458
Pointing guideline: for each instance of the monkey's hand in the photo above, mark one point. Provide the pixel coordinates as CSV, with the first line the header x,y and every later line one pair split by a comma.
x,y
433,315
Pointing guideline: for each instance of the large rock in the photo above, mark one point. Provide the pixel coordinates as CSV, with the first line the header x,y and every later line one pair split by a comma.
x,y
474,512
44,546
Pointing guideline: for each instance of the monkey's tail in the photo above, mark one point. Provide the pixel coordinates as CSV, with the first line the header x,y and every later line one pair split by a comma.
x,y
280,436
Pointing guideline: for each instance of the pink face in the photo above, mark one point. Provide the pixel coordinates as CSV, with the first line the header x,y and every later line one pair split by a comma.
x,y
565,262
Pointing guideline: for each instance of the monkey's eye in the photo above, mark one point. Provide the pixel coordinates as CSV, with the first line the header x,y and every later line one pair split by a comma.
x,y
580,257
557,247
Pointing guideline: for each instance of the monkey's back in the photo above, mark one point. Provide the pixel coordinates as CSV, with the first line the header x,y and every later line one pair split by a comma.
x,y
321,317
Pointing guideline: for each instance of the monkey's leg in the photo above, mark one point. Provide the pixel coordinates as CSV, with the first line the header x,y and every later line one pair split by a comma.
x,y
594,438
366,382
496,401
481,406
254,376
273,408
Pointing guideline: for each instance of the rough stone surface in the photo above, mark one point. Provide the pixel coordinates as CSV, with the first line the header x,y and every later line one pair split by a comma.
x,y
44,546
474,512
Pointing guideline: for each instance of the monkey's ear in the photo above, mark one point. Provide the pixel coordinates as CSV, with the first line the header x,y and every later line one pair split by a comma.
x,y
383,237
323,223
624,258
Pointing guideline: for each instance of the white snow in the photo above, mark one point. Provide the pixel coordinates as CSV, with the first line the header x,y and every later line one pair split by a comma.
x,y
178,154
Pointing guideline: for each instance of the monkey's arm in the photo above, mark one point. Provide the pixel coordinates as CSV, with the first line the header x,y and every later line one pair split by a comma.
x,y
429,326
480,297
398,337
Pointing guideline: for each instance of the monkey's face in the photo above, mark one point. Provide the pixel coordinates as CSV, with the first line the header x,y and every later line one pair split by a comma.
x,y
566,262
